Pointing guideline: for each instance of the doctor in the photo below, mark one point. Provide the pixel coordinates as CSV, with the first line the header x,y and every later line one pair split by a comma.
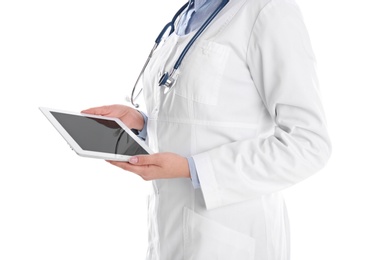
x,y
242,121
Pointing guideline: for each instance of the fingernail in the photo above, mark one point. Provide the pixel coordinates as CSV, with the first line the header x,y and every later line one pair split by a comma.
x,y
134,160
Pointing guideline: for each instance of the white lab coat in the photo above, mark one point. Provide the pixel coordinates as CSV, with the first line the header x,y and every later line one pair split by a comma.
x,y
246,106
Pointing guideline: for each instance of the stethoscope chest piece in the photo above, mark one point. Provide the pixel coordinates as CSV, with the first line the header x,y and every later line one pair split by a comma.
x,y
167,81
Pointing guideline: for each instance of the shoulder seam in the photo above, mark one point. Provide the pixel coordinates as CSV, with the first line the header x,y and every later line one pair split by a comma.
x,y
252,27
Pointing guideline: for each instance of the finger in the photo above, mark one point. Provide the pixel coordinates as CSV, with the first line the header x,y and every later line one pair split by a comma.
x,y
124,165
137,169
102,110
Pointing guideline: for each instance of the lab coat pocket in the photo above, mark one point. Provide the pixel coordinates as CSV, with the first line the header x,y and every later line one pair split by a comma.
x,y
205,239
201,74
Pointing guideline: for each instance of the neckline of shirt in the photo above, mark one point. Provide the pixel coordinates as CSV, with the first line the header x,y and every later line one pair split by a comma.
x,y
198,4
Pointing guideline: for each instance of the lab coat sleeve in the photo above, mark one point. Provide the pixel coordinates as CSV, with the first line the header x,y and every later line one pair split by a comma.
x,y
282,66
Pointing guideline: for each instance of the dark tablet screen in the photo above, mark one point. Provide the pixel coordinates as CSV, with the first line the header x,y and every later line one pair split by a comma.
x,y
99,135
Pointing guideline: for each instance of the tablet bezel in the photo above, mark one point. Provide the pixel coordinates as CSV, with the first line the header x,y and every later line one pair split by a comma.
x,y
86,153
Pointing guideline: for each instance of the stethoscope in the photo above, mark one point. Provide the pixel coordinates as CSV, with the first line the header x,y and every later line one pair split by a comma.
x,y
167,79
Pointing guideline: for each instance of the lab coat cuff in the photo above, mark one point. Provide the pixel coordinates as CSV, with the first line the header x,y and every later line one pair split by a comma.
x,y
193,173
208,182
143,132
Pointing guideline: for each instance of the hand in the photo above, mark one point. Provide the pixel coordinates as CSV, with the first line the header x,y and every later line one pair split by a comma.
x,y
129,116
156,166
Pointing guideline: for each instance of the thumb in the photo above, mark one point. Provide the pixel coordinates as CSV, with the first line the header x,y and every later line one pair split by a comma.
x,y
103,110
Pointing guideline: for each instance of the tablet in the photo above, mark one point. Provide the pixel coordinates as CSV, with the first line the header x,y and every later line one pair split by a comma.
x,y
96,136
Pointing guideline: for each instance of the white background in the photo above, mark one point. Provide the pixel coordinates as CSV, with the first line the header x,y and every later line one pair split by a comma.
x,y
75,54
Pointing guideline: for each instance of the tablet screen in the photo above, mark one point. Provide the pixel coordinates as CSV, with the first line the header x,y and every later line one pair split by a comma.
x,y
98,135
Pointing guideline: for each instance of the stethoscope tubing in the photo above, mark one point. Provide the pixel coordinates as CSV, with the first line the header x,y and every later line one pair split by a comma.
x,y
198,33
170,24
167,79
133,97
